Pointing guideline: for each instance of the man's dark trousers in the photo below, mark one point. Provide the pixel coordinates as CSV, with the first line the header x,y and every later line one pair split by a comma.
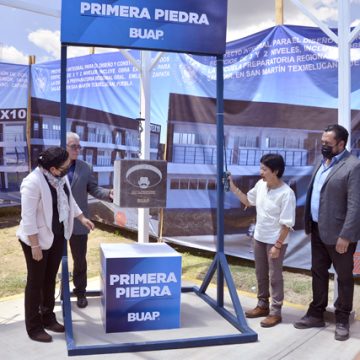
x,y
322,257
78,250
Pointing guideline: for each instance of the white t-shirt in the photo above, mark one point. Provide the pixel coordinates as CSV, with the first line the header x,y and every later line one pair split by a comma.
x,y
274,208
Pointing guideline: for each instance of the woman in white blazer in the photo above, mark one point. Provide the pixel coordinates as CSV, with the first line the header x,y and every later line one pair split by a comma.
x,y
47,217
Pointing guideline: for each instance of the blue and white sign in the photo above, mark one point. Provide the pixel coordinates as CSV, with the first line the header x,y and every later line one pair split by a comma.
x,y
180,25
141,287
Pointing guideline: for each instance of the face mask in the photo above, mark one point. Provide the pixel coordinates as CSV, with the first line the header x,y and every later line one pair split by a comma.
x,y
63,172
326,151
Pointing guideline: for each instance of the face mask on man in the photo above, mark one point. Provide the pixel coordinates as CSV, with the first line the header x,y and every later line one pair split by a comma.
x,y
327,151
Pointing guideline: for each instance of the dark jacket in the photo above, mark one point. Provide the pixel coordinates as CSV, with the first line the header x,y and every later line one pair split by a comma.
x,y
83,182
339,211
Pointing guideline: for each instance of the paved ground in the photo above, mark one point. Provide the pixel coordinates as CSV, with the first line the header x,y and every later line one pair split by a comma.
x,y
197,319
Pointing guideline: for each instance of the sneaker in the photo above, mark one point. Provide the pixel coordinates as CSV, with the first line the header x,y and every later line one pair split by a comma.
x,y
341,332
82,301
271,320
307,322
257,312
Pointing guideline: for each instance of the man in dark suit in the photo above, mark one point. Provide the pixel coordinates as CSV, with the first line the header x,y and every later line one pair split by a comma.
x,y
82,182
332,217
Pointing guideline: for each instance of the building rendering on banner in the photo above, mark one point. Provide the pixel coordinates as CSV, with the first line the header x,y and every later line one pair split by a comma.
x,y
13,153
251,129
104,137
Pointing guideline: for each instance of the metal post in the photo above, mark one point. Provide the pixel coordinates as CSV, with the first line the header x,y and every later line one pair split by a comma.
x,y
63,113
145,68
220,170
344,81
344,73
145,103
318,22
28,113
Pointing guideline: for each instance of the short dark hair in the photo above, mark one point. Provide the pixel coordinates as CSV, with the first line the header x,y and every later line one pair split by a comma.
x,y
340,132
53,156
274,162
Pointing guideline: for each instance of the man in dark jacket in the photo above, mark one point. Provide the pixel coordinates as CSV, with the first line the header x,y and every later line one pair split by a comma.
x,y
332,214
82,183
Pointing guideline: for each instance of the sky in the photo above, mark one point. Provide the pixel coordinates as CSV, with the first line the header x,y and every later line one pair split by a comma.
x,y
24,33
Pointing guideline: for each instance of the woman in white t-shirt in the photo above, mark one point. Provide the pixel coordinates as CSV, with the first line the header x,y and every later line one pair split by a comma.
x,y
275,216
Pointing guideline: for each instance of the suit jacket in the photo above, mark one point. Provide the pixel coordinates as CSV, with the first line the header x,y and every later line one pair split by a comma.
x,y
339,211
83,182
37,209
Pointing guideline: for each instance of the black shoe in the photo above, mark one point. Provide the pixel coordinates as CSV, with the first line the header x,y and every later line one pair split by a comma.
x,y
341,332
82,301
55,327
41,336
307,322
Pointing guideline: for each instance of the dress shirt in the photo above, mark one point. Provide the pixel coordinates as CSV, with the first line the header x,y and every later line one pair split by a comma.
x,y
320,178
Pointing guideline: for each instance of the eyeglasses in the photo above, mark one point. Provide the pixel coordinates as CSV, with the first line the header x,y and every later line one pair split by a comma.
x,y
74,147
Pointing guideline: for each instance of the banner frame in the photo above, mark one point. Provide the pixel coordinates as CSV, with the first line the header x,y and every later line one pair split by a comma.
x,y
219,263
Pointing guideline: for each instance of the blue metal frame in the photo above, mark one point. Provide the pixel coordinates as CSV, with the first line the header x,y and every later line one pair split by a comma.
x,y
219,263
246,335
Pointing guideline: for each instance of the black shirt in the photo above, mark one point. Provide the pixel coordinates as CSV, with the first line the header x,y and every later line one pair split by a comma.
x,y
57,227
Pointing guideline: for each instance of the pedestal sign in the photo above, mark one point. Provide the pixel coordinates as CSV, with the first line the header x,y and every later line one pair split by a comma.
x,y
141,287
140,183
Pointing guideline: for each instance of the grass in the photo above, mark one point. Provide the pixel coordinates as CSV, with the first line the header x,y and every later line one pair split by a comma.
x,y
195,263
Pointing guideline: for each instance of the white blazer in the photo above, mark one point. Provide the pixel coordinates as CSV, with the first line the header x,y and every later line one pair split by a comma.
x,y
37,209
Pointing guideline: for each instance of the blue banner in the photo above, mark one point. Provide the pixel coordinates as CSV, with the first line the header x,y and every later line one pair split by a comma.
x,y
107,82
103,104
274,65
180,26
13,87
281,91
14,82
